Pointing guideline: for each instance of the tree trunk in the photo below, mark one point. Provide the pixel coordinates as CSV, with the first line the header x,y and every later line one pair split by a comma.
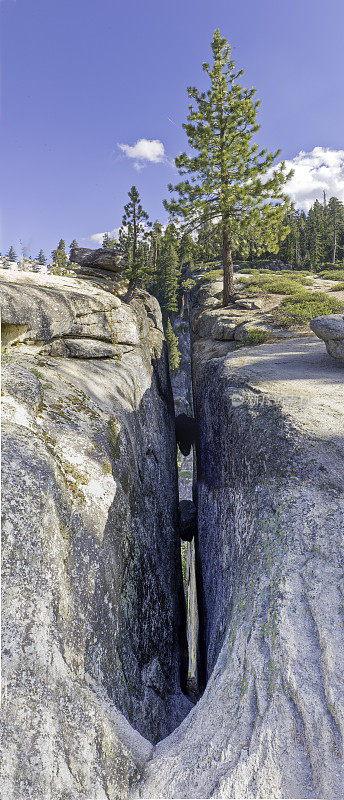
x,y
227,259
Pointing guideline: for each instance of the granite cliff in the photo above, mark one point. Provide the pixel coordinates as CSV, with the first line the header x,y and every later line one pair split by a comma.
x,y
94,642
269,555
93,608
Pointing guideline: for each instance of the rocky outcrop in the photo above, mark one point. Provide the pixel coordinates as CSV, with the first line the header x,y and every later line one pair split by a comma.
x,y
94,649
99,259
93,641
330,328
270,579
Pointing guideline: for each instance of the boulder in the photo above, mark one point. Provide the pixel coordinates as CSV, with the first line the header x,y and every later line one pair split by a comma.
x,y
330,328
97,259
335,348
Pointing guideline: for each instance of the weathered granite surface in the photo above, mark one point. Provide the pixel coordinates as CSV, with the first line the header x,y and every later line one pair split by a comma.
x,y
270,561
93,613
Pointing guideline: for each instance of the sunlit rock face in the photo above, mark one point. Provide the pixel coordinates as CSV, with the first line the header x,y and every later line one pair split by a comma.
x,y
270,559
93,616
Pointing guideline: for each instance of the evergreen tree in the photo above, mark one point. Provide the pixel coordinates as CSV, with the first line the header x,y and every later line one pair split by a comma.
x,y
109,242
73,244
41,257
133,237
316,238
164,283
12,254
169,272
172,346
155,240
60,258
335,230
186,250
226,172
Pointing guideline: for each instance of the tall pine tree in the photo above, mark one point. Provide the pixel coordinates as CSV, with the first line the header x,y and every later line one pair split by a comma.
x,y
225,175
169,272
133,237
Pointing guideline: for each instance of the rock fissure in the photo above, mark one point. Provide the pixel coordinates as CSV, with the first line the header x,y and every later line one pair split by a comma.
x,y
270,505
112,559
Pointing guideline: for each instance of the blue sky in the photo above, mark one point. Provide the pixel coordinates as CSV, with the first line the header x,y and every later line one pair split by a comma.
x,y
80,77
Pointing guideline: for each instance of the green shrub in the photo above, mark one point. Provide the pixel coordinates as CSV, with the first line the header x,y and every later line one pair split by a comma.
x,y
212,275
338,287
273,284
256,336
300,308
328,265
332,274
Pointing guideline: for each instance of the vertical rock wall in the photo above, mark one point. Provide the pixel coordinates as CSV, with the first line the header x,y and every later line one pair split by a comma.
x,y
93,611
271,579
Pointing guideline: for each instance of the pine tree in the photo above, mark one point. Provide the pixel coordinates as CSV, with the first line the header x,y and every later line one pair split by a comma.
x,y
170,272
226,172
109,242
12,254
133,237
153,243
335,230
73,244
172,346
60,258
186,250
41,257
156,234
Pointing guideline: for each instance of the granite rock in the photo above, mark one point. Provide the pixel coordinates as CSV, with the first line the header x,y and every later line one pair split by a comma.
x,y
94,643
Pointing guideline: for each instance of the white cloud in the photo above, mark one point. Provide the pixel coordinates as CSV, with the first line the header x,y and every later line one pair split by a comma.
x,y
320,170
145,150
98,237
